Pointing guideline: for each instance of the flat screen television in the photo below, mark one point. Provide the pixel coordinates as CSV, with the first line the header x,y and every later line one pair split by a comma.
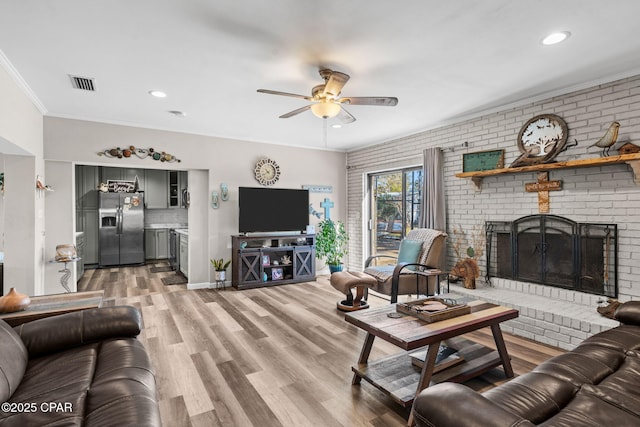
x,y
265,210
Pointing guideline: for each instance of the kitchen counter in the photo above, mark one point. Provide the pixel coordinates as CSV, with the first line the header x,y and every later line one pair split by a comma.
x,y
159,226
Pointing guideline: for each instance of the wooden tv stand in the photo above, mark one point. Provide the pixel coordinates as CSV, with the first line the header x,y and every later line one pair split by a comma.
x,y
259,257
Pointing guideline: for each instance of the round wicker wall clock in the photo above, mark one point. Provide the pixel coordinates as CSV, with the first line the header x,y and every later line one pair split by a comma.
x,y
267,172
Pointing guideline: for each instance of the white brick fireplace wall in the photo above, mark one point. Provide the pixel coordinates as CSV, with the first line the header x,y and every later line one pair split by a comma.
x,y
595,194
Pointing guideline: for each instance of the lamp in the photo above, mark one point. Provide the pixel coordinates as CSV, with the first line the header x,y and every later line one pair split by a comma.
x,y
325,109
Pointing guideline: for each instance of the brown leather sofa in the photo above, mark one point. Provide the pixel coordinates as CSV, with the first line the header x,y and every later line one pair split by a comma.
x,y
78,369
596,384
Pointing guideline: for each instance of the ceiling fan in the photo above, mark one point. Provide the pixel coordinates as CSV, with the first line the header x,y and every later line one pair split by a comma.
x,y
325,100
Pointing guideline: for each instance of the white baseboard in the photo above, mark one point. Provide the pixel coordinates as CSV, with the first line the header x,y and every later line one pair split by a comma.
x,y
204,285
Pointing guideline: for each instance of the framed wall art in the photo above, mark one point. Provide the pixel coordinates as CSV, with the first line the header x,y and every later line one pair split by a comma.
x,y
483,160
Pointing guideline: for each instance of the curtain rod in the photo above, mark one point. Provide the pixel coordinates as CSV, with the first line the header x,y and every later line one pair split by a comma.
x,y
448,149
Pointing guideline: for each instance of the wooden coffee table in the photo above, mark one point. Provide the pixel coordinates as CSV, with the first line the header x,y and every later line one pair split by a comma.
x,y
52,305
396,376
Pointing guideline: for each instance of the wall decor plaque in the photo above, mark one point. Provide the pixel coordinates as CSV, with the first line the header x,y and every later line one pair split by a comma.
x,y
483,160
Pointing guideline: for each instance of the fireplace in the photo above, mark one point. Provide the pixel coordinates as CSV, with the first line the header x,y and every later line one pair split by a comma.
x,y
554,251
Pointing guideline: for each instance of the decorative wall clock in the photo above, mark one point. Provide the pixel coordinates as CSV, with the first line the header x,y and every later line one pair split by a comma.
x,y
267,172
541,139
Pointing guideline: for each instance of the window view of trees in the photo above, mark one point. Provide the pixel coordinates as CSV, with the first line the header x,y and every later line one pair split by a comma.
x,y
395,208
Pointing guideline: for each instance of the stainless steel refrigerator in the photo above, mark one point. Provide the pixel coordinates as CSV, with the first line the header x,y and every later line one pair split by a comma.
x,y
121,228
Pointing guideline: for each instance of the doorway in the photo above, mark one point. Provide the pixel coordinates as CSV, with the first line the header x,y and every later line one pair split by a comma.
x,y
394,208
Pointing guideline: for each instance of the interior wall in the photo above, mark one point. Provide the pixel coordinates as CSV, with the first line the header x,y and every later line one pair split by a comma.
x,y
21,140
60,206
225,161
605,194
198,228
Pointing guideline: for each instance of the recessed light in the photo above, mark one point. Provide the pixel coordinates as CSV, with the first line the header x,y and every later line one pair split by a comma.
x,y
177,113
157,93
555,38
336,126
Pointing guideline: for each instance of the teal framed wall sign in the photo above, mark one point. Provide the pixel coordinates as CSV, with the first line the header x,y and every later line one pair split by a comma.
x,y
483,160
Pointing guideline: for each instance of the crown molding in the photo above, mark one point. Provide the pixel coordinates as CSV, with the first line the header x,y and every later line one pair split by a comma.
x,y
22,84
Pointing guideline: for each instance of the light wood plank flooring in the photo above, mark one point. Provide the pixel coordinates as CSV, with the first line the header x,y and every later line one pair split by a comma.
x,y
265,357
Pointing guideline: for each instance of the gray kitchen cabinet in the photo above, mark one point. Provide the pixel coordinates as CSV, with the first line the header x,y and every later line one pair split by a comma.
x,y
80,251
184,254
87,180
183,181
156,243
130,174
156,184
110,173
90,228
123,174
178,181
149,244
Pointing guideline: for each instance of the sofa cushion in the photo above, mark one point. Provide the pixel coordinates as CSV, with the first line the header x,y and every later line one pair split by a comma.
x,y
587,364
629,313
534,397
59,333
123,390
621,388
107,383
13,361
589,410
622,338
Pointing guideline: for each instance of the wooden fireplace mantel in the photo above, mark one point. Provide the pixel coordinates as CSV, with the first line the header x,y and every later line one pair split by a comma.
x,y
632,160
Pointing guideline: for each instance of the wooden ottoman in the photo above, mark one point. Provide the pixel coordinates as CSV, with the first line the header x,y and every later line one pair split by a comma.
x,y
344,281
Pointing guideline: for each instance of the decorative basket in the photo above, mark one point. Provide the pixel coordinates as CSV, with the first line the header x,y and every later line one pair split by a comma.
x,y
66,253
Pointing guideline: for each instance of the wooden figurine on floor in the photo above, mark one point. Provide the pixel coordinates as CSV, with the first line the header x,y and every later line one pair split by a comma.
x,y
467,266
468,270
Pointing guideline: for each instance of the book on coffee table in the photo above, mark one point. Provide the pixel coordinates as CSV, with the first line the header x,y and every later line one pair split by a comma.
x,y
447,357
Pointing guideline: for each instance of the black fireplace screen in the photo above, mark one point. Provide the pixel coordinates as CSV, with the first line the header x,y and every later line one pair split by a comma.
x,y
555,251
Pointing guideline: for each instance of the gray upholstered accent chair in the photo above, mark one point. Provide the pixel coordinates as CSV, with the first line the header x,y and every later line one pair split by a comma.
x,y
422,249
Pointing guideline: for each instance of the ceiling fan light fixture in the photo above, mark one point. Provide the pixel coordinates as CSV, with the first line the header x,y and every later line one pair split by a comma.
x,y
325,110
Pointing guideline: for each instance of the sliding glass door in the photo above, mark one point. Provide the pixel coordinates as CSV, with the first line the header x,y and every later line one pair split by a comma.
x,y
395,205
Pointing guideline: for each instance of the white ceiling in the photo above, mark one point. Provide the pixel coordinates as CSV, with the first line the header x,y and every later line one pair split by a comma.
x,y
444,60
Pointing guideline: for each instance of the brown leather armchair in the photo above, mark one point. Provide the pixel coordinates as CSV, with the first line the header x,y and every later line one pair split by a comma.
x,y
398,278
78,369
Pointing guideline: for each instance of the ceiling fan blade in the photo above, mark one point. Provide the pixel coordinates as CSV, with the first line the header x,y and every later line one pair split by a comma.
x,y
336,82
386,101
345,117
295,112
293,95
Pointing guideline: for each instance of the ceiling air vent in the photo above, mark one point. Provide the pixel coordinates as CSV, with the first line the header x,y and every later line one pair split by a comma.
x,y
83,83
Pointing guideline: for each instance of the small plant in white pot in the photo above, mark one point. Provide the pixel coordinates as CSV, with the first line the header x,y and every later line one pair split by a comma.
x,y
220,267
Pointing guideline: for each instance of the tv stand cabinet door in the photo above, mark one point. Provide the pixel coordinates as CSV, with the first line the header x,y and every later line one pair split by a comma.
x,y
304,263
250,267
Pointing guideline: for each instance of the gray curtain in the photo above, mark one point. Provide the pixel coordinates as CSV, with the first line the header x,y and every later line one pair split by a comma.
x,y
433,214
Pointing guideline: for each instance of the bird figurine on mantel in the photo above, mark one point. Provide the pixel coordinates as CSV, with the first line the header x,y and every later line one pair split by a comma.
x,y
608,139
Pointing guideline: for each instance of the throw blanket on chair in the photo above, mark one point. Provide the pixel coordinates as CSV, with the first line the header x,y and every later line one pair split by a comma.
x,y
427,235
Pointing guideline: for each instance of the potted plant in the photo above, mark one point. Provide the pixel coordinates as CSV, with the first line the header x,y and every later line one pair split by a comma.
x,y
331,243
220,267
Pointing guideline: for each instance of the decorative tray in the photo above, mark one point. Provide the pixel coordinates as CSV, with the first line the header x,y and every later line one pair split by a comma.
x,y
433,309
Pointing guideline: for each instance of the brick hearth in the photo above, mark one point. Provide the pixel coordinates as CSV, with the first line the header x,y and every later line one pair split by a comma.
x,y
548,315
